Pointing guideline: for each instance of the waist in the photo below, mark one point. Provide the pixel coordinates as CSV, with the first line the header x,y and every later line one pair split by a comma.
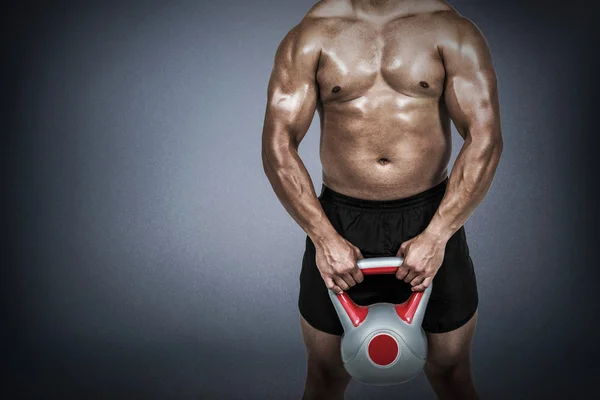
x,y
434,193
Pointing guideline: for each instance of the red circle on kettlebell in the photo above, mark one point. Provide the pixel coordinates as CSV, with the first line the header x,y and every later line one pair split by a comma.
x,y
383,349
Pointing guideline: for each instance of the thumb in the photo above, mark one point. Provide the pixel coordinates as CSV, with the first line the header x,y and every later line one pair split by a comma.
x,y
357,253
403,248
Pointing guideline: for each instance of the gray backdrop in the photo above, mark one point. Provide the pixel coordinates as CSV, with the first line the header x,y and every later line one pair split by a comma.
x,y
150,258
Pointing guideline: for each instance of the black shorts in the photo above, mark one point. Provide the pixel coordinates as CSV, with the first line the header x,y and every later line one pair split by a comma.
x,y
378,228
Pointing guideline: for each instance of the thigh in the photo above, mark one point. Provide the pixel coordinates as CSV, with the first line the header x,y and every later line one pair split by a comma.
x,y
451,348
324,357
454,298
314,303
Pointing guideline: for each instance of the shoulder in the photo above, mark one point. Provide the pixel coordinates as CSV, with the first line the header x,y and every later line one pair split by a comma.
x,y
431,7
454,29
323,18
330,9
462,46
309,34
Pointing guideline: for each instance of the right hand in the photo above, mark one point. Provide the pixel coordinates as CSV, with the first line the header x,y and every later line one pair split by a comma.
x,y
336,260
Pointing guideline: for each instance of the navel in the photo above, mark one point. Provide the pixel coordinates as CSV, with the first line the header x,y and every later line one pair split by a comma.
x,y
383,161
424,84
336,89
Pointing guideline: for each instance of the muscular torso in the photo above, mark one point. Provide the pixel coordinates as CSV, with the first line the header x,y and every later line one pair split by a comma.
x,y
385,131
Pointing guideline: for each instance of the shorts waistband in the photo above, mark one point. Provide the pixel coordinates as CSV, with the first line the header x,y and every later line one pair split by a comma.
x,y
333,197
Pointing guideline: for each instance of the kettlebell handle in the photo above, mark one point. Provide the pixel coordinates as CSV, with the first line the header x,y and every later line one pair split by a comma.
x,y
379,265
409,311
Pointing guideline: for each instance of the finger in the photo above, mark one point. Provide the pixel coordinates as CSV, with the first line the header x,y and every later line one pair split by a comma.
x,y
403,269
341,283
349,279
417,281
331,285
359,255
403,247
402,272
357,275
410,276
424,285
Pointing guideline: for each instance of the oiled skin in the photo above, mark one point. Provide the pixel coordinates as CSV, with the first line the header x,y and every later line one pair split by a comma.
x,y
385,133
387,78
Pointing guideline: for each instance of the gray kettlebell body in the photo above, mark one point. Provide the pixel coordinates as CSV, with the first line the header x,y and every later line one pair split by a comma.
x,y
383,343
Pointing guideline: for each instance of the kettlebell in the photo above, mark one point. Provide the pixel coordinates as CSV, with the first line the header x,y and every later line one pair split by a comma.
x,y
383,343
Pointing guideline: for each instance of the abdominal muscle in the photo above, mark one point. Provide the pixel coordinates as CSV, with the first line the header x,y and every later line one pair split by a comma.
x,y
382,152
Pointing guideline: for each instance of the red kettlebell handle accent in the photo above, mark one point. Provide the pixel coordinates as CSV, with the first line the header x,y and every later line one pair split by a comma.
x,y
356,313
406,311
379,266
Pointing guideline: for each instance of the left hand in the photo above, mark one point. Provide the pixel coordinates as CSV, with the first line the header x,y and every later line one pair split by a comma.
x,y
423,256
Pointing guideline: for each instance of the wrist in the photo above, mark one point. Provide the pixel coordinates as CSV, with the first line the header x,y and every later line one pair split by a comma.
x,y
323,236
438,235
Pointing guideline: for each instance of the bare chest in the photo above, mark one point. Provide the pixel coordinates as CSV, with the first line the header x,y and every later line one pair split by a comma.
x,y
361,59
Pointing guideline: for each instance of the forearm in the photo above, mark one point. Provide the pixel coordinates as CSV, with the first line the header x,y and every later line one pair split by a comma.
x,y
293,186
469,182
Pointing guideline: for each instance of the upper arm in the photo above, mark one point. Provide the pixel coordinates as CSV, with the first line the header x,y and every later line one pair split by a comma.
x,y
292,92
470,92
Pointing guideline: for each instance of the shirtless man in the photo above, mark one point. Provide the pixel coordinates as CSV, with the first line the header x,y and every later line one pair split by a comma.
x,y
386,77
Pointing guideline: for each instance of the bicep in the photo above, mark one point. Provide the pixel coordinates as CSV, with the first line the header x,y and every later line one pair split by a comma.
x,y
471,93
292,92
